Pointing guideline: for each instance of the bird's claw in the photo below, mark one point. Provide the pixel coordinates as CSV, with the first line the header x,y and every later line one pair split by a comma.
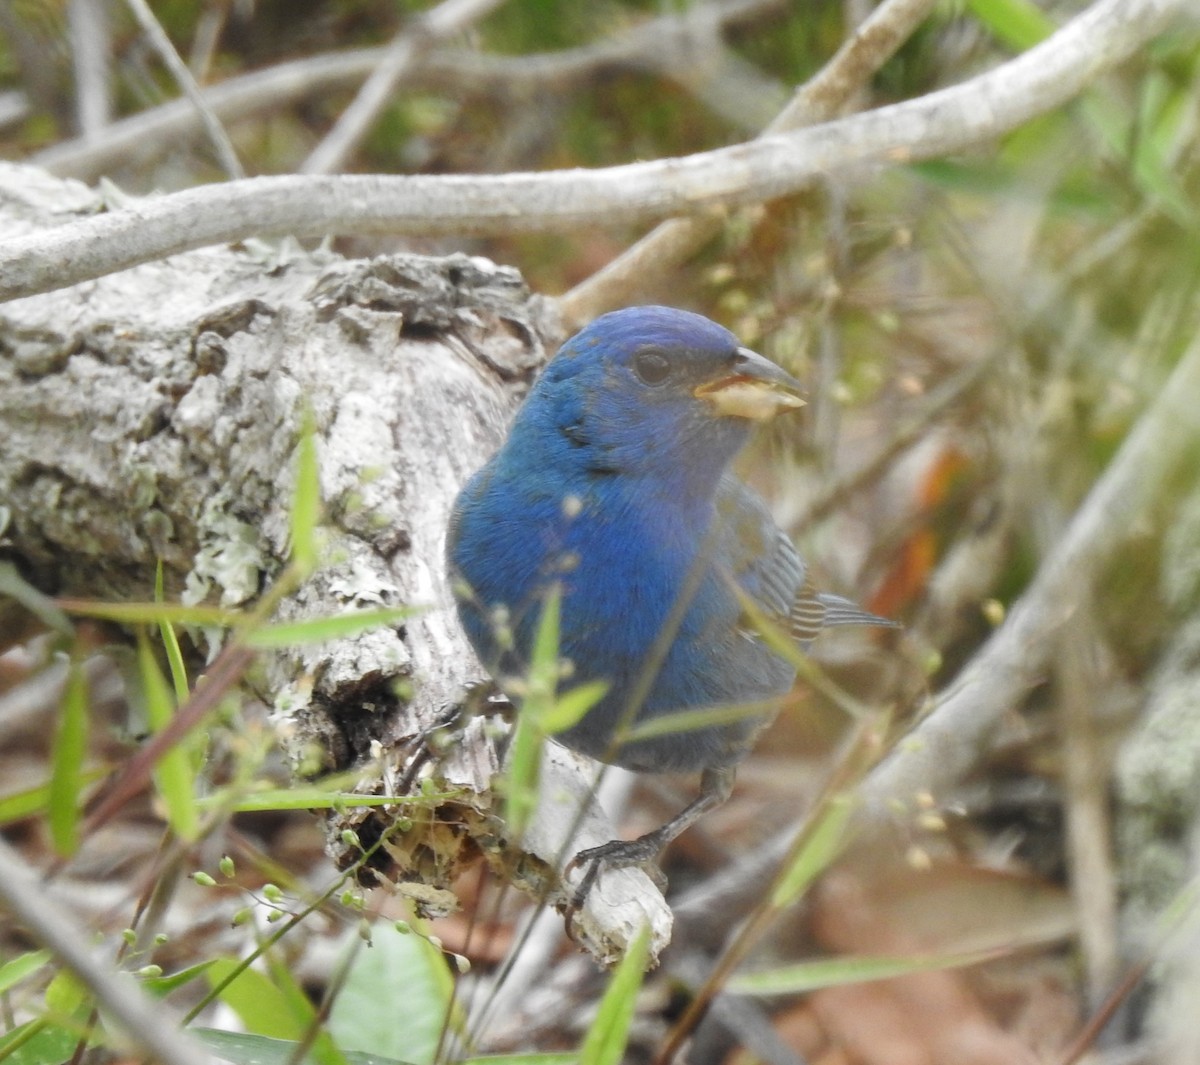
x,y
616,854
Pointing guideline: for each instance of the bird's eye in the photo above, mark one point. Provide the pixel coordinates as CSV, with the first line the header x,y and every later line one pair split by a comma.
x,y
652,367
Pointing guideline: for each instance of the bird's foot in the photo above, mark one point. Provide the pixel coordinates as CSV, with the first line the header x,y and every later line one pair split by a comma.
x,y
642,852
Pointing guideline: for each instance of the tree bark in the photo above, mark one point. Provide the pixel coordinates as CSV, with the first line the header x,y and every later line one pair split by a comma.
x,y
154,415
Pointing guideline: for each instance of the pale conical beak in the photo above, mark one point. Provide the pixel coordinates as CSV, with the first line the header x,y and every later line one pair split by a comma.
x,y
755,388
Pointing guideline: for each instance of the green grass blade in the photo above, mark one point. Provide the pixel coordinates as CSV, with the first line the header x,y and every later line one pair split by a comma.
x,y
315,630
605,1041
21,967
306,504
152,613
45,609
171,644
833,972
70,748
173,776
828,836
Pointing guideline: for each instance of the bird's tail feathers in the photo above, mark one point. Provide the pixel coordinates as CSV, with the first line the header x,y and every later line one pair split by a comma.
x,y
842,611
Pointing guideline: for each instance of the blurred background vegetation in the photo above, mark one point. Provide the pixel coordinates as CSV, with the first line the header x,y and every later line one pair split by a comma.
x,y
992,325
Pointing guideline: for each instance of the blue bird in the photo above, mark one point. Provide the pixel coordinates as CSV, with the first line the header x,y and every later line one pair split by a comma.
x,y
614,486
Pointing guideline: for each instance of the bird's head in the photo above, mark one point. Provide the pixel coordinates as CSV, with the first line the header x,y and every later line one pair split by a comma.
x,y
651,389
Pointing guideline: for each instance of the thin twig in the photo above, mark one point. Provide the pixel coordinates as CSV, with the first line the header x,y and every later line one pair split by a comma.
x,y
820,99
401,55
451,69
940,122
145,1021
183,77
955,734
90,57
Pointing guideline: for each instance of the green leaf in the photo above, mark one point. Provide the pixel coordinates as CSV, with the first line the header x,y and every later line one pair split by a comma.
x,y
243,1048
315,798
173,775
14,586
567,708
152,613
314,630
543,663
1019,24
306,505
171,644
689,720
30,802
826,842
396,968
521,774
21,967
164,985
524,1059
321,1045
261,1006
38,1042
605,1041
832,972
70,748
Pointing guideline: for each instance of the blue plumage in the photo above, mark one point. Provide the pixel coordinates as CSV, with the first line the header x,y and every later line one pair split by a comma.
x,y
614,483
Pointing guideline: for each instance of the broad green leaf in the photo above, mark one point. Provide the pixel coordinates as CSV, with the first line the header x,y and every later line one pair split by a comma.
x,y
70,748
39,1042
524,1059
832,972
173,775
259,1004
321,1045
314,630
65,994
22,966
605,1041
406,970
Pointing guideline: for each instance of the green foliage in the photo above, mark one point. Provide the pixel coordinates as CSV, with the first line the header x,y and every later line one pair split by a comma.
x,y
405,970
609,1033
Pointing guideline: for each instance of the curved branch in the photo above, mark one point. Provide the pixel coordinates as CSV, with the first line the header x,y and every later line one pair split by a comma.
x,y
819,99
941,122
401,56
452,69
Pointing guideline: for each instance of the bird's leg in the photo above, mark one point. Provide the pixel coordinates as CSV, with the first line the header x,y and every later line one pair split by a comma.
x,y
715,785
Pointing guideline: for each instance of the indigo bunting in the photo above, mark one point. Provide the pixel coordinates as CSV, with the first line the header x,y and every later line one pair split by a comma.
x,y
613,486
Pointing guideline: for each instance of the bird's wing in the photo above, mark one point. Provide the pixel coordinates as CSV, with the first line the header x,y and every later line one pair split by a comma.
x,y
767,566
759,557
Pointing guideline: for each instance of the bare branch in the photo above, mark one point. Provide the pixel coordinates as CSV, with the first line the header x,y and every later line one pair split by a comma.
x,y
945,745
146,1022
941,122
90,56
158,129
183,76
401,55
818,100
